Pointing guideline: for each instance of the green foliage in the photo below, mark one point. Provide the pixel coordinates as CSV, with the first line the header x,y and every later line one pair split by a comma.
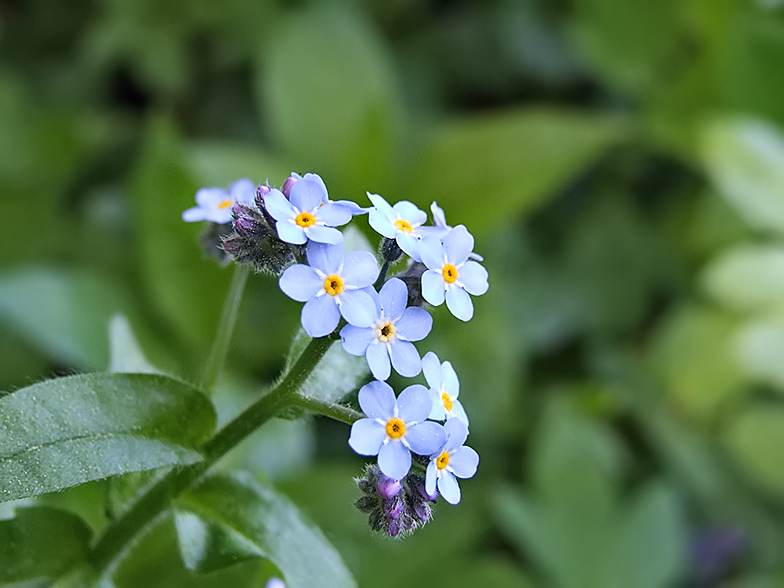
x,y
68,431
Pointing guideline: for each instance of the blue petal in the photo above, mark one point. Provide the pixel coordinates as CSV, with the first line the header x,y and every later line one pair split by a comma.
x,y
405,358
431,366
394,298
433,287
414,404
448,487
432,253
322,234
459,412
426,438
290,232
439,412
410,212
315,178
415,324
458,244
327,258
367,436
378,361
381,205
332,215
473,277
210,197
357,308
356,340
300,282
320,316
194,214
459,303
431,476
451,383
352,207
243,191
439,218
464,462
457,433
394,460
377,400
360,269
307,194
409,244
381,224
278,206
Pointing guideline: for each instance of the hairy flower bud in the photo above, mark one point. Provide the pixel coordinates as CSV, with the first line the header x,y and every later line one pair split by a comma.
x,y
255,242
390,250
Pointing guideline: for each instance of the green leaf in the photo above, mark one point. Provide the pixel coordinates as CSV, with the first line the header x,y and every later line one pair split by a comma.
x,y
126,355
68,431
745,159
747,277
222,163
758,346
253,514
41,542
488,170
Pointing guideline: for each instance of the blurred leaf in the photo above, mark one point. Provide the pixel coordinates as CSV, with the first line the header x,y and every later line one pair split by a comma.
x,y
747,277
754,439
759,347
41,542
68,431
126,355
263,518
745,159
63,313
694,354
222,163
328,95
517,159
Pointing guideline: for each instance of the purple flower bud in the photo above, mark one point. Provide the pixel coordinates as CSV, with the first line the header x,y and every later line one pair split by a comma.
x,y
393,508
388,487
261,192
394,528
422,512
286,189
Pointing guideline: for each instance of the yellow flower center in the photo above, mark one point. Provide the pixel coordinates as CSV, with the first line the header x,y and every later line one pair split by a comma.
x,y
305,219
404,226
225,204
333,285
442,461
450,273
395,428
446,400
385,332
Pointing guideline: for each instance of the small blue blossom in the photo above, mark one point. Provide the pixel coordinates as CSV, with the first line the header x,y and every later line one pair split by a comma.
x,y
389,337
331,286
353,207
450,275
444,389
453,460
442,228
215,204
306,216
401,222
395,427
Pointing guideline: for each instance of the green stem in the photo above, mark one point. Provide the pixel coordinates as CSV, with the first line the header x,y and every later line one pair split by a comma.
x,y
157,498
220,346
338,412
382,275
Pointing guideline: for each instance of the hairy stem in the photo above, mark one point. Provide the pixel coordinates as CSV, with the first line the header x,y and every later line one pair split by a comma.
x,y
220,346
338,412
157,498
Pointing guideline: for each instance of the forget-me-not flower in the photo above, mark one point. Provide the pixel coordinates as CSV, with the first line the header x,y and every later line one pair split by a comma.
x,y
214,204
306,216
395,427
389,337
451,461
401,222
450,275
353,207
444,389
331,286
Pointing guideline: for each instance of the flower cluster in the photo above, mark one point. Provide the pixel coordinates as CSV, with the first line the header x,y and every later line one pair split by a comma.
x,y
418,436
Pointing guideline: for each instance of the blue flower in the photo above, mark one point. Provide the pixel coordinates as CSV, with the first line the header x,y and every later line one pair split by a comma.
x,y
444,389
442,228
401,222
332,286
214,204
449,274
451,461
395,427
353,207
390,335
306,216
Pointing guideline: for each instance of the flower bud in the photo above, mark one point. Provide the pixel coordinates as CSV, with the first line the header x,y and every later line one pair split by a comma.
x,y
388,487
390,250
254,242
287,185
261,192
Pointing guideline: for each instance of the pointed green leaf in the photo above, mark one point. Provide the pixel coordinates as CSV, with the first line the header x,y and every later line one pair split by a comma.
x,y
267,520
41,542
747,277
126,355
68,431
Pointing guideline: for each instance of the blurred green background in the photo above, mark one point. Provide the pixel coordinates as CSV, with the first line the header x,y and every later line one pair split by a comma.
x,y
621,164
